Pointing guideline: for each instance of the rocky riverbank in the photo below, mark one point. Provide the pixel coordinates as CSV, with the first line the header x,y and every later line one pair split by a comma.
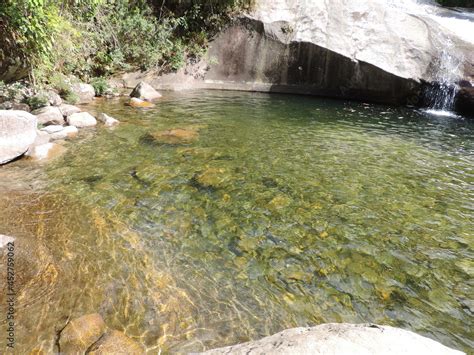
x,y
38,132
339,49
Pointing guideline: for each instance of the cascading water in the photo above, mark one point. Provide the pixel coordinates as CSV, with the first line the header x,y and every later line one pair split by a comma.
x,y
440,96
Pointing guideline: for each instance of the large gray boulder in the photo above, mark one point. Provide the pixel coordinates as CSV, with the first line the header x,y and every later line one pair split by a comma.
x,y
85,92
49,115
340,339
375,50
145,92
17,133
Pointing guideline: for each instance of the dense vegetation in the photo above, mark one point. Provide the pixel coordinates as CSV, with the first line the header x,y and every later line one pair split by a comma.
x,y
90,38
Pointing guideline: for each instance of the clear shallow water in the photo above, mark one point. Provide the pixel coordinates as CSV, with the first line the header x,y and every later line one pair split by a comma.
x,y
276,211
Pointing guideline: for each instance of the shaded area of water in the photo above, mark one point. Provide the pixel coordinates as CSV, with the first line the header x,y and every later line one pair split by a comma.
x,y
274,212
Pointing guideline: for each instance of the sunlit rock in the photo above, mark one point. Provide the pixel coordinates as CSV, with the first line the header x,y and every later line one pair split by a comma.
x,y
81,119
85,92
17,133
49,115
145,92
341,339
107,120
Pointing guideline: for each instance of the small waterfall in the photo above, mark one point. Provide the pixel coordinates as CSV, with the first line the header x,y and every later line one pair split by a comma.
x,y
442,93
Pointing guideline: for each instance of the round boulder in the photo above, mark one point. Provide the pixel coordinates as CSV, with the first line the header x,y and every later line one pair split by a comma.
x,y
17,133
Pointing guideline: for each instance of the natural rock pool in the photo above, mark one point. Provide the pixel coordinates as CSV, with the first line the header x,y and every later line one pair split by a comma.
x,y
219,217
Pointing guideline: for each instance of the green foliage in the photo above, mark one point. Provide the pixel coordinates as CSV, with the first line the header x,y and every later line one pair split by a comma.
x,y
63,85
100,85
90,38
37,101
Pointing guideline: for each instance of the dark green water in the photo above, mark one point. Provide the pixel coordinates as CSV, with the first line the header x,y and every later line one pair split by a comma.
x,y
278,211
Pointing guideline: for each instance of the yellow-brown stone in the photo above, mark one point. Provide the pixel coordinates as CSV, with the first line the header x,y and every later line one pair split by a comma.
x,y
79,334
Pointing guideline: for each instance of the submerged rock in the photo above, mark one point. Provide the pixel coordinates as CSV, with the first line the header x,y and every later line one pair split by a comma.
x,y
341,339
81,119
49,115
68,110
134,102
145,92
107,120
80,333
211,178
85,92
175,136
46,151
17,133
115,342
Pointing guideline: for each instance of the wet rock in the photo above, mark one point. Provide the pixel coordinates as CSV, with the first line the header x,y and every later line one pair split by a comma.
x,y
46,151
134,102
17,133
79,334
343,338
81,119
54,99
145,92
49,115
68,110
465,100
85,92
107,120
115,342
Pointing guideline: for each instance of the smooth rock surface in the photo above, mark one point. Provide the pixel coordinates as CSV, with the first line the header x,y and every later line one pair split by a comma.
x,y
145,92
81,119
115,342
80,333
49,115
107,120
340,339
85,92
17,133
68,110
